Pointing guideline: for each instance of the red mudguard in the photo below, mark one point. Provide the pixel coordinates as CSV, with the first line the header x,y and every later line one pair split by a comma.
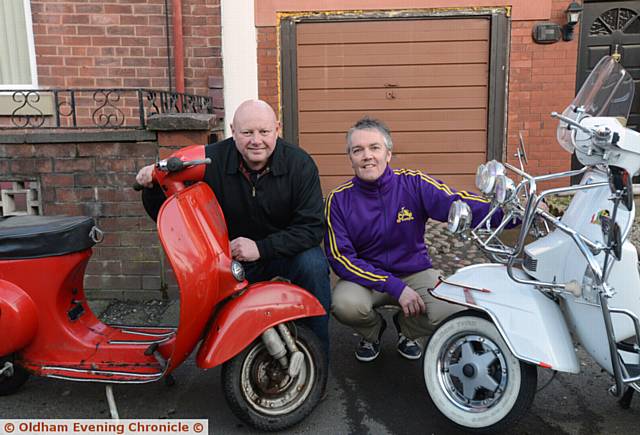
x,y
245,318
18,318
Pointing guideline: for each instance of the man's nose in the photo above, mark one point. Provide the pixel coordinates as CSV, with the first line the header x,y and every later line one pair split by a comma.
x,y
255,137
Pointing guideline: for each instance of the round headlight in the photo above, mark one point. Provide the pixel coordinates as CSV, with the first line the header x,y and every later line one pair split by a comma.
x,y
237,270
486,176
481,174
459,217
505,187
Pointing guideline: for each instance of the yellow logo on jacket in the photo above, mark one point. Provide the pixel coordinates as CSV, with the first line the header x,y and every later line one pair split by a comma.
x,y
404,215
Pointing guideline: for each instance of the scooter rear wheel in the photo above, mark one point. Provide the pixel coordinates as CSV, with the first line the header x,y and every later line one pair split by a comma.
x,y
11,384
261,393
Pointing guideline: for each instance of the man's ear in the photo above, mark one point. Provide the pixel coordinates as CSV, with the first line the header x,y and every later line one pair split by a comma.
x,y
278,128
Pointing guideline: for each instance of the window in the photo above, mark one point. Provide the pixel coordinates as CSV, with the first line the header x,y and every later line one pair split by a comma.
x,y
17,52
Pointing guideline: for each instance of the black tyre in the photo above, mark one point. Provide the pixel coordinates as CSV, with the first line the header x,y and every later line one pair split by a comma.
x,y
473,379
262,394
9,384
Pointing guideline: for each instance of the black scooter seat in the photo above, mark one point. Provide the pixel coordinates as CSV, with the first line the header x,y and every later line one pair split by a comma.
x,y
44,236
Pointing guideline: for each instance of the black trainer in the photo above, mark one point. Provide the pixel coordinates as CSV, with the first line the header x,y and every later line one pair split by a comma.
x,y
367,350
410,349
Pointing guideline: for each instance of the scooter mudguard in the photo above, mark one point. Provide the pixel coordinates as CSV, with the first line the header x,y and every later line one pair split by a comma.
x,y
530,323
246,317
18,318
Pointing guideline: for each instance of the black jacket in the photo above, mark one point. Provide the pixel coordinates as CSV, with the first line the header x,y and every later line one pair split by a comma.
x,y
283,215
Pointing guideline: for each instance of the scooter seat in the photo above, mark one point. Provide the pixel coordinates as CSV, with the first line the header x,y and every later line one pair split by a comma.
x,y
44,236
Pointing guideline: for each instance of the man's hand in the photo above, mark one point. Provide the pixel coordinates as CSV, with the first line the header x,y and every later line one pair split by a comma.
x,y
145,176
243,249
411,302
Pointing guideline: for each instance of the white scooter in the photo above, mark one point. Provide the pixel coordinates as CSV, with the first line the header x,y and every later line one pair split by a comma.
x,y
581,279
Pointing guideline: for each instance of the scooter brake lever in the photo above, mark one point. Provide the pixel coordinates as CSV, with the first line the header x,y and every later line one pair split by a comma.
x,y
571,122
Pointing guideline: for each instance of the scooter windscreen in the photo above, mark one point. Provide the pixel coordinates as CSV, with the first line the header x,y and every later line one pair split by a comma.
x,y
608,91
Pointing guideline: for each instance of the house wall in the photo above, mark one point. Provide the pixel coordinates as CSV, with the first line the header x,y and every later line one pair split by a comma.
x,y
124,43
80,177
541,78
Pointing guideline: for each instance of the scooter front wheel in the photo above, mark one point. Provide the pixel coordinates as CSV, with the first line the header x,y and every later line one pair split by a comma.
x,y
472,377
260,391
11,378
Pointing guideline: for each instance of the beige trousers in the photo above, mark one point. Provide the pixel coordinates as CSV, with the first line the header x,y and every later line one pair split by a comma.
x,y
355,306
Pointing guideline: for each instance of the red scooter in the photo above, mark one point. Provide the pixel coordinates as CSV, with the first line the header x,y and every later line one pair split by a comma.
x,y
274,370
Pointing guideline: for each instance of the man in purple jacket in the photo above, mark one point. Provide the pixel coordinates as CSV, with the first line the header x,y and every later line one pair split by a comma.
x,y
375,243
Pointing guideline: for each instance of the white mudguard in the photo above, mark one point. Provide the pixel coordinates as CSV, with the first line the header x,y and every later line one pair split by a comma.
x,y
531,324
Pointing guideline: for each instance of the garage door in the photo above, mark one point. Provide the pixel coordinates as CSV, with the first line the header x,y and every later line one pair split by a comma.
x,y
426,79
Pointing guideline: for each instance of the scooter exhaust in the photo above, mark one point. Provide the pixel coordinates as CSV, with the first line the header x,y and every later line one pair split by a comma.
x,y
277,348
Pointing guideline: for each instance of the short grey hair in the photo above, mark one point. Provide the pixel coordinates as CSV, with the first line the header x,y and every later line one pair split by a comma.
x,y
366,123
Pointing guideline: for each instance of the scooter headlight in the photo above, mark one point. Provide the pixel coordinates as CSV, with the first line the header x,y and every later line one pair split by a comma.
x,y
237,270
505,188
481,177
486,176
459,217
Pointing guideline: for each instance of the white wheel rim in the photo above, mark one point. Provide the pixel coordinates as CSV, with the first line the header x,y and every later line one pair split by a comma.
x,y
275,398
472,372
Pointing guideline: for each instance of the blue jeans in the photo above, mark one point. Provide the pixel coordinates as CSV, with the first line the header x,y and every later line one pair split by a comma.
x,y
309,270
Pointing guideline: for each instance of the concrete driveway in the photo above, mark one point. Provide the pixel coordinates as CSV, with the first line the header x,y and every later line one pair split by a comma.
x,y
386,396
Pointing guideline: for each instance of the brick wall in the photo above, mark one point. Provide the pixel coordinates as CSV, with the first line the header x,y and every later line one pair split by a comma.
x,y
268,65
123,43
94,179
541,80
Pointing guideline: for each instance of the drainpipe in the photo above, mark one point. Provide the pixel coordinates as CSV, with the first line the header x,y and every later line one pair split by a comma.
x,y
178,46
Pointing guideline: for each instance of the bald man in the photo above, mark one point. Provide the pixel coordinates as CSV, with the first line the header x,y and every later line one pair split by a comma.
x,y
269,192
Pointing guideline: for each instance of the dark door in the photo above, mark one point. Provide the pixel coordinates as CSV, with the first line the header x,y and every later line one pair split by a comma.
x,y
607,26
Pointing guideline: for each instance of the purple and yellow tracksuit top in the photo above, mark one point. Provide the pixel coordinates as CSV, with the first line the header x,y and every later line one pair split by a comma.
x,y
375,230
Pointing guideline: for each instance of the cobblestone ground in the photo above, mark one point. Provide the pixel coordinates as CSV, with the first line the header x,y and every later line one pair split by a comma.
x,y
449,253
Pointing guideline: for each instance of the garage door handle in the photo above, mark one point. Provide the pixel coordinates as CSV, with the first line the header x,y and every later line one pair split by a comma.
x,y
390,85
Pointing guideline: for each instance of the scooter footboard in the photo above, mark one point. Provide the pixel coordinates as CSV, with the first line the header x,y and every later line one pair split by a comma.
x,y
246,317
531,324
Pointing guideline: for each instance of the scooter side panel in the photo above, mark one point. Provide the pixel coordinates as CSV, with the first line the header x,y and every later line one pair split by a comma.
x,y
531,324
18,318
193,233
246,317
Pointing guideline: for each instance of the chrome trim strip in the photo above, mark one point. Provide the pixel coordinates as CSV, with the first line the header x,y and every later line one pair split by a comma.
x,y
165,339
121,326
149,334
103,372
69,378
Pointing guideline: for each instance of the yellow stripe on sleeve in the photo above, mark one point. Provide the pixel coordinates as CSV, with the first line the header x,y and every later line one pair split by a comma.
x,y
441,186
334,246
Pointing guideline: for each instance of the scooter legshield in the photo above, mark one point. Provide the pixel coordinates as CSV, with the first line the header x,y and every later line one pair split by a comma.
x,y
531,324
18,318
246,317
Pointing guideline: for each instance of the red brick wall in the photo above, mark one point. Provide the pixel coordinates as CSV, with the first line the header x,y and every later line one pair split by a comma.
x,y
267,65
541,80
123,43
95,179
